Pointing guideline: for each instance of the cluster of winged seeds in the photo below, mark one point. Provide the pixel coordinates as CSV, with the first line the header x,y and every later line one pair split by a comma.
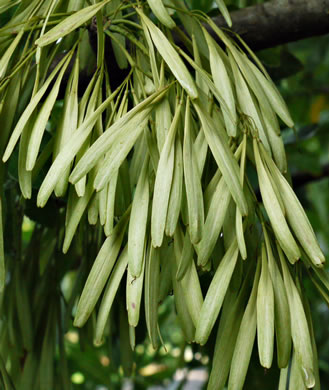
x,y
161,167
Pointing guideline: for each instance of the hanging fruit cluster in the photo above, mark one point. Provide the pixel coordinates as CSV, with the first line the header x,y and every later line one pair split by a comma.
x,y
154,176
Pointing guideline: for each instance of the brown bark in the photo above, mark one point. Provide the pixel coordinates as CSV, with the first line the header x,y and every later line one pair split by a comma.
x,y
277,22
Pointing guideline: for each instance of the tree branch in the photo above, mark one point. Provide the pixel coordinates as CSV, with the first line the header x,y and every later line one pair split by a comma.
x,y
267,25
277,22
274,22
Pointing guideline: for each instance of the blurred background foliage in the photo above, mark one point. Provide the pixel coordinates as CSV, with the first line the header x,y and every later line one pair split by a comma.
x,y
301,71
